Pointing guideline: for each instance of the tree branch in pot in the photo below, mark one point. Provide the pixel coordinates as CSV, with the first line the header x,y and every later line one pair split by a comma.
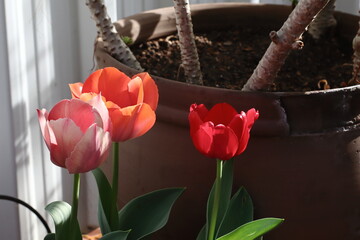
x,y
189,54
112,41
283,41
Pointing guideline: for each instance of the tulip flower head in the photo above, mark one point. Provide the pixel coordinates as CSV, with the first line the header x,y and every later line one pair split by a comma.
x,y
77,134
220,132
131,101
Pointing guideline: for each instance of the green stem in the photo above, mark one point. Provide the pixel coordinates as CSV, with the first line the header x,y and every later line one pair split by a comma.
x,y
75,200
215,208
115,178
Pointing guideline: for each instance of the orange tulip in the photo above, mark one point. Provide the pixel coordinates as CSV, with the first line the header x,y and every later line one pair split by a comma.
x,y
131,101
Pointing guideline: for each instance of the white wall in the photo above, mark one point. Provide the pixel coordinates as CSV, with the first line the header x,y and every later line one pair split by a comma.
x,y
8,211
38,57
45,44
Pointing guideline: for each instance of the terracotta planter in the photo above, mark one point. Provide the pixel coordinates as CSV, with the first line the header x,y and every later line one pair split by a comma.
x,y
302,162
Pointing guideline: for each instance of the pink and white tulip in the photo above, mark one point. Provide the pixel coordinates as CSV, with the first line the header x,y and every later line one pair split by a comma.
x,y
77,133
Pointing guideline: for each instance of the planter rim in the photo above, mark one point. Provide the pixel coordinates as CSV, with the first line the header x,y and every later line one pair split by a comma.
x,y
200,6
132,72
282,113
195,9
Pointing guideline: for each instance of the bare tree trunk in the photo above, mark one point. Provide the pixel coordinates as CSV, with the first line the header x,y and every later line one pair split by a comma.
x,y
283,41
189,54
324,21
356,59
112,41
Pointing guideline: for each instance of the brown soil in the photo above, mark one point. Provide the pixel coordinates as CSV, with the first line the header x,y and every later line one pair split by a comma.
x,y
228,59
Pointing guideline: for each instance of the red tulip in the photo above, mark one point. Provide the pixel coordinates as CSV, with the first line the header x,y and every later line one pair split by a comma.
x,y
131,101
77,134
221,132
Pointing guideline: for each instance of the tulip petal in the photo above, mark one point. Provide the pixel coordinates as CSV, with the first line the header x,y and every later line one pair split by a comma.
x,y
131,122
112,84
196,116
91,85
221,113
97,102
82,113
86,97
151,92
252,115
225,143
216,141
220,132
203,138
67,135
111,105
201,110
42,117
90,152
75,89
136,91
239,126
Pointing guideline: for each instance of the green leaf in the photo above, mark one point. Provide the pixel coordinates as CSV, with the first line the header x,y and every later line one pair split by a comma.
x,y
226,189
253,230
64,228
148,213
202,233
60,213
50,236
103,222
127,40
107,212
117,235
239,212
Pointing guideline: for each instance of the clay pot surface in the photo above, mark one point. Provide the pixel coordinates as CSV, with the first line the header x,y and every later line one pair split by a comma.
x,y
302,161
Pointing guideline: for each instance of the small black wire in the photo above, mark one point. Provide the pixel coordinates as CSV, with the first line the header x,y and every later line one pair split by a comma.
x,y
13,199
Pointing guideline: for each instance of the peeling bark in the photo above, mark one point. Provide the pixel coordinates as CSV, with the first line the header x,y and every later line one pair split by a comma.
x,y
189,55
324,21
112,41
284,40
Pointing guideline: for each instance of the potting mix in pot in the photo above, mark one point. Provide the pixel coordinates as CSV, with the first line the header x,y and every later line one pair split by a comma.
x,y
321,64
